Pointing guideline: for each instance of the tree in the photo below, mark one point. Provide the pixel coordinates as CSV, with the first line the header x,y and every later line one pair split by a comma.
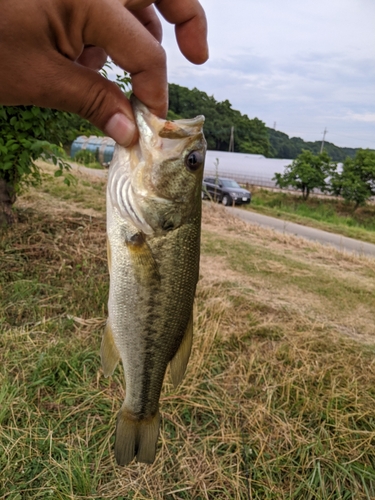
x,y
282,146
29,132
307,172
356,182
250,135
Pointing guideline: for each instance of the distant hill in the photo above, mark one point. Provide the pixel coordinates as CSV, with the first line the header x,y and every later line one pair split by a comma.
x,y
250,134
282,146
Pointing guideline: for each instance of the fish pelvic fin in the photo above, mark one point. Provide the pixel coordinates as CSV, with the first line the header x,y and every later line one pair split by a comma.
x,y
109,353
136,438
180,360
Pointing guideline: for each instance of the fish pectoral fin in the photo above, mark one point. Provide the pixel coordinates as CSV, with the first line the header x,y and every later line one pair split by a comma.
x,y
109,353
145,266
136,438
180,360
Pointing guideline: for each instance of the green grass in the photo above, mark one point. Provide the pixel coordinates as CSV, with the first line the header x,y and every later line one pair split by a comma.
x,y
95,165
82,193
322,212
278,401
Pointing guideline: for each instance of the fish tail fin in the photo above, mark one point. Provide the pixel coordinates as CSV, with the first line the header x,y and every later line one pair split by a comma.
x,y
136,438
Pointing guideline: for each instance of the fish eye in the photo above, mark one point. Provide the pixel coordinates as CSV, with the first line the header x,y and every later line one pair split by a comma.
x,y
194,160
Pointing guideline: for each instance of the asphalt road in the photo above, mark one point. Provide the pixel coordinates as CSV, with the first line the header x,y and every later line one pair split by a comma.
x,y
341,242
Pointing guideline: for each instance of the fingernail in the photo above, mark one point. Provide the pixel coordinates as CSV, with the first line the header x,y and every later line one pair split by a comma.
x,y
121,129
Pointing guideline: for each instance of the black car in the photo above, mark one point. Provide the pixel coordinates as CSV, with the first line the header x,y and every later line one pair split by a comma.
x,y
225,190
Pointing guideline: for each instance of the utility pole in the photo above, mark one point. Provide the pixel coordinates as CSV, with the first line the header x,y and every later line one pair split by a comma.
x,y
231,140
324,136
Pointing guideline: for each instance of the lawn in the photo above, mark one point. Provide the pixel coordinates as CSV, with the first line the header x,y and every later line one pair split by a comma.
x,y
278,401
323,212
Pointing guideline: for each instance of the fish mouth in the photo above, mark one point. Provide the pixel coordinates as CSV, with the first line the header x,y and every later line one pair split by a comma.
x,y
155,128
132,209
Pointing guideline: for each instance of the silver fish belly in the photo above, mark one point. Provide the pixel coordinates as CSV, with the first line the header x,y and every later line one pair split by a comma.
x,y
153,237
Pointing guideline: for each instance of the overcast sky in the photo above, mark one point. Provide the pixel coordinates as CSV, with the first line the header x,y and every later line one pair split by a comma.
x,y
304,65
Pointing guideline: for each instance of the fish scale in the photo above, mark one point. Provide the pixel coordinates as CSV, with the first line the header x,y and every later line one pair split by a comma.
x,y
153,230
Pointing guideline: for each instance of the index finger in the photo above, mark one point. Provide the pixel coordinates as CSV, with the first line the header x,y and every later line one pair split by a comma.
x,y
190,23
114,28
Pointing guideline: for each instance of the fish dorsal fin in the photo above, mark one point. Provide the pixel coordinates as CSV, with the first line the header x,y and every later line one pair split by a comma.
x,y
109,353
180,360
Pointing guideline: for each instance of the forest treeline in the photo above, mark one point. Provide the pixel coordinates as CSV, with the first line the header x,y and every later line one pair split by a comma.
x,y
250,134
283,146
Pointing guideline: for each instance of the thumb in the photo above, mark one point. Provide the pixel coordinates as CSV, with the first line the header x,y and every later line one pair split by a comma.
x,y
83,91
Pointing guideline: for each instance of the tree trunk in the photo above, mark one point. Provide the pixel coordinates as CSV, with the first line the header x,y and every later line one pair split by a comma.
x,y
7,198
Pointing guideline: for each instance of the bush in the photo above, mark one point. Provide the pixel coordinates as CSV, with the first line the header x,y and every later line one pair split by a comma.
x,y
84,157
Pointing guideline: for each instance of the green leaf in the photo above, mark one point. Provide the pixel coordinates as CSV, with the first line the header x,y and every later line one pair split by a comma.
x,y
6,165
27,114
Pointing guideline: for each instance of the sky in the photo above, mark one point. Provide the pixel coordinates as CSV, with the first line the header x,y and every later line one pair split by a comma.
x,y
300,66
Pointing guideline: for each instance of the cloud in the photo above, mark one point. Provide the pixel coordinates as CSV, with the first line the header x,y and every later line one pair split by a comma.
x,y
365,117
303,65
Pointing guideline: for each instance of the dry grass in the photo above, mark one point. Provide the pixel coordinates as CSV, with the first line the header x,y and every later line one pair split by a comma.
x,y
278,400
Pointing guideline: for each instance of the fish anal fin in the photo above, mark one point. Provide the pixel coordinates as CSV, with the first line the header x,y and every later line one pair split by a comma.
x,y
180,360
109,353
136,438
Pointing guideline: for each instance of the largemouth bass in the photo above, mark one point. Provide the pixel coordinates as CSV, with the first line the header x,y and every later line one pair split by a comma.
x,y
153,236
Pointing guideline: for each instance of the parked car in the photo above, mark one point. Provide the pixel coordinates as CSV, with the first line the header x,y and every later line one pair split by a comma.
x,y
226,191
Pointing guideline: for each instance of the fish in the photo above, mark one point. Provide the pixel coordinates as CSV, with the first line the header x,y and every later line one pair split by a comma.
x,y
153,245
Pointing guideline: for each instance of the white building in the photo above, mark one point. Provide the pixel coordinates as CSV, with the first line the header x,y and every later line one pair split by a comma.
x,y
254,169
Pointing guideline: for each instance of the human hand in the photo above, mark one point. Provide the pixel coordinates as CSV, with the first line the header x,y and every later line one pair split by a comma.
x,y
50,53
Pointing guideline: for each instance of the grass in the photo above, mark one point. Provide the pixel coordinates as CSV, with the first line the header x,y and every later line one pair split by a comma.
x,y
95,165
278,401
325,213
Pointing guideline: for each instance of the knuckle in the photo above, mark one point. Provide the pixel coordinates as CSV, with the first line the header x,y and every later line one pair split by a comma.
x,y
154,61
161,57
98,104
